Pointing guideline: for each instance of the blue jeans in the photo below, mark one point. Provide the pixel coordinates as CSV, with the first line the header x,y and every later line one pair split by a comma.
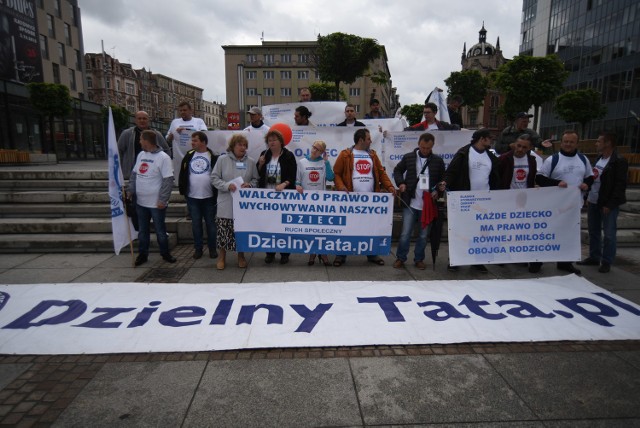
x,y
144,229
599,224
411,216
203,209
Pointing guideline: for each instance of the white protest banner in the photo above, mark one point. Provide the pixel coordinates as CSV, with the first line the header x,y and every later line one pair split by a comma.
x,y
313,222
85,318
323,113
514,226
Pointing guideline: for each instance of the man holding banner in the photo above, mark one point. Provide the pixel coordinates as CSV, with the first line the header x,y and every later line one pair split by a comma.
x,y
358,169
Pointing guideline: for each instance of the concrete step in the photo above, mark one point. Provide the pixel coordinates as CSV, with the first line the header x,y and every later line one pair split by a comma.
x,y
73,210
631,207
86,185
68,225
624,237
65,197
20,175
633,193
626,220
67,243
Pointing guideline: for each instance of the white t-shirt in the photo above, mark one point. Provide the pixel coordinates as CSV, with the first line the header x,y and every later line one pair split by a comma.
x,y
200,176
312,175
362,171
595,187
181,143
520,172
262,129
151,169
479,169
417,202
569,169
273,172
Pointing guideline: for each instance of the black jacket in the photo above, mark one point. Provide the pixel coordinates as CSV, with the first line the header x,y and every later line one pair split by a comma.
x,y
344,123
183,177
505,170
613,182
405,173
457,174
288,168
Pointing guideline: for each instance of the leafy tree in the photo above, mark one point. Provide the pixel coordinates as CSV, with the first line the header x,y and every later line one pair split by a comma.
x,y
121,117
528,80
325,92
582,106
344,57
413,112
471,83
51,99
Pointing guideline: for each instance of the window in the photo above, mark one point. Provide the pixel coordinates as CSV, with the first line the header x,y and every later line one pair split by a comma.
x,y
252,91
357,108
268,59
317,75
78,60
285,75
285,58
108,84
62,54
129,88
118,85
89,82
56,73
252,75
354,92
56,8
67,34
51,27
285,92
303,58
269,92
44,47
268,75
72,14
72,80
303,74
252,58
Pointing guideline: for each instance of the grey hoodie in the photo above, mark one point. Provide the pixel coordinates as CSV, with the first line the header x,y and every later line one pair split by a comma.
x,y
225,170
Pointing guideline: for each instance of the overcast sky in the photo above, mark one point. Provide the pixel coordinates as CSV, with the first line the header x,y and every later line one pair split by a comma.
x,y
182,39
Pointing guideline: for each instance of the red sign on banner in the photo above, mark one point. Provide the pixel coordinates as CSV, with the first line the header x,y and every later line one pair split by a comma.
x,y
233,121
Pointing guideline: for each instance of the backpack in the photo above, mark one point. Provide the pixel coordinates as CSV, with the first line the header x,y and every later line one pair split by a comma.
x,y
556,157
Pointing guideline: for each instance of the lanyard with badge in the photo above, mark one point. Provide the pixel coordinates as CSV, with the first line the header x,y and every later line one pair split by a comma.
x,y
423,179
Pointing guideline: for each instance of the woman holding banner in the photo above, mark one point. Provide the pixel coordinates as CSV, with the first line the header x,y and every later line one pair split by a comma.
x,y
313,172
236,164
277,169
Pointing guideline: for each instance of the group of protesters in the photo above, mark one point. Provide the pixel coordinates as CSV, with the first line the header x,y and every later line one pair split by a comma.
x,y
208,181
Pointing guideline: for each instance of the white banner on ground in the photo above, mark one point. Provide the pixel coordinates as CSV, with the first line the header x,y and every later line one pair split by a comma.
x,y
513,226
313,222
134,317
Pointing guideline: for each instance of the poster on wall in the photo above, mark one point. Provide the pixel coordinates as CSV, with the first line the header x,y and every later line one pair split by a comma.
x,y
19,49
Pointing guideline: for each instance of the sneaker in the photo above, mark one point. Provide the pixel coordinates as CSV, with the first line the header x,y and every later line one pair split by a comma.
x,y
398,264
169,258
481,268
604,267
569,267
284,260
270,258
589,261
142,258
197,254
420,265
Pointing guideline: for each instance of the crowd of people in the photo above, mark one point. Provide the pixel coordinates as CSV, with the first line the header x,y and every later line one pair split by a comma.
x,y
207,181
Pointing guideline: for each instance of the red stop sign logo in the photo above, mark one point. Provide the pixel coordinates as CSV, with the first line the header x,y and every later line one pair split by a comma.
x,y
363,167
314,176
521,174
596,173
144,167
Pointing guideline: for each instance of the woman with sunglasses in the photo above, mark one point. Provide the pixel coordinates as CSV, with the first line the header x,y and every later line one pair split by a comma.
x,y
314,170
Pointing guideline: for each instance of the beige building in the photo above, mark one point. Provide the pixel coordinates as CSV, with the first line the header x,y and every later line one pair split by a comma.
x,y
214,115
275,71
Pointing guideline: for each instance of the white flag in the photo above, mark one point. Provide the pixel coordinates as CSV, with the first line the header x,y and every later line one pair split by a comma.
x,y
437,97
119,219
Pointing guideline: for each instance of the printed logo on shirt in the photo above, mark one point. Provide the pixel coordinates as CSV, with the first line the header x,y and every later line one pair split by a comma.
x,y
521,174
314,176
199,165
596,173
144,167
363,167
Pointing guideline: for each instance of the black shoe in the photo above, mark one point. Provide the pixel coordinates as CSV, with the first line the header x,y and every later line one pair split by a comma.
x,y
481,268
589,261
270,258
284,260
142,258
169,258
197,254
213,254
535,267
452,268
569,267
604,267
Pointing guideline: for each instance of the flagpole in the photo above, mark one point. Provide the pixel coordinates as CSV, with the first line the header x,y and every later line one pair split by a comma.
x,y
124,203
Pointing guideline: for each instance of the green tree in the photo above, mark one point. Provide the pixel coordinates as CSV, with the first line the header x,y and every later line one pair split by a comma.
x,y
121,117
471,84
324,91
528,80
344,57
582,106
413,112
51,99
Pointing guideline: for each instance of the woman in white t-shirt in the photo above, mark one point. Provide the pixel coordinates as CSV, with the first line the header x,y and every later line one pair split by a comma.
x,y
314,170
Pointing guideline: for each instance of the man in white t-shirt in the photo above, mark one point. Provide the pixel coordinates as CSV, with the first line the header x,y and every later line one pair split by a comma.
x,y
569,168
194,183
180,131
358,169
151,182
257,124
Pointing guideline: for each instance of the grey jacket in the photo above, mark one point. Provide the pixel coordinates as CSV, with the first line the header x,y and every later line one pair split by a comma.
x,y
224,171
127,151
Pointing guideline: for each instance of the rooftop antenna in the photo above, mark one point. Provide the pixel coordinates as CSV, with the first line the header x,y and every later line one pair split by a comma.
x,y
262,37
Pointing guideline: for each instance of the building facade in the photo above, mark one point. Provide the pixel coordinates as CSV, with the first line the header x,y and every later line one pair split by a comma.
x,y
485,58
599,42
215,115
275,71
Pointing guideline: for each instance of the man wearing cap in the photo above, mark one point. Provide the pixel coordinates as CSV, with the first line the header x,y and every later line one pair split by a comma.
x,y
511,133
151,182
473,167
256,125
374,113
